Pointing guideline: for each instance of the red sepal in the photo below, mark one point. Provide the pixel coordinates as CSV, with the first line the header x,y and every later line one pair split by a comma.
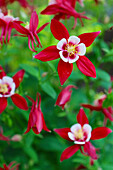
x,y
19,101
64,70
82,118
3,104
18,77
63,132
100,132
86,66
2,72
58,30
90,150
33,22
91,107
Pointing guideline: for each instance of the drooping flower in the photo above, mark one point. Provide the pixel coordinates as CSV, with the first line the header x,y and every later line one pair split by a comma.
x,y
63,9
36,119
8,85
6,25
23,3
69,49
98,106
64,96
2,137
10,166
31,31
80,134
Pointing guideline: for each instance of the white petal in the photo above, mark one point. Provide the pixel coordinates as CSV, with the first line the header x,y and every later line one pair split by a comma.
x,y
87,128
1,95
62,57
75,127
7,79
73,60
0,81
81,49
61,43
71,136
51,2
73,39
77,142
12,90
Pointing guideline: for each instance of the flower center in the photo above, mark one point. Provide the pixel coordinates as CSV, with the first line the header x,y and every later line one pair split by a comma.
x,y
79,134
71,49
4,88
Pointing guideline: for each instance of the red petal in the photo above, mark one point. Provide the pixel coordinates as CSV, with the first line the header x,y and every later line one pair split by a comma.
x,y
89,106
90,150
19,101
68,152
3,104
42,27
20,28
44,124
107,114
33,22
100,132
51,10
88,38
63,132
18,77
86,66
2,72
64,71
48,54
82,118
58,30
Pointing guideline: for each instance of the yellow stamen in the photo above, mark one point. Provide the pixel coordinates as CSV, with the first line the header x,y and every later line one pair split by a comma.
x,y
71,49
79,134
3,88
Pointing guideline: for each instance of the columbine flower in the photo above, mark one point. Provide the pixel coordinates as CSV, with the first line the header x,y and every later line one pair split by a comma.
x,y
9,167
31,31
36,118
69,49
8,86
6,24
63,9
98,106
2,137
81,134
64,96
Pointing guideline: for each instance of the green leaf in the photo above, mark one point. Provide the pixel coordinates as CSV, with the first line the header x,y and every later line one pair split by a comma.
x,y
47,88
108,101
31,153
103,75
30,69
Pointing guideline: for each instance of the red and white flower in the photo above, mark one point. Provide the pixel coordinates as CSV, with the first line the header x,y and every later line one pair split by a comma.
x,y
8,86
69,49
81,134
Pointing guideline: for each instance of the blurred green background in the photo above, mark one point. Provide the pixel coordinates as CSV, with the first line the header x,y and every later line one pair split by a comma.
x,y
40,152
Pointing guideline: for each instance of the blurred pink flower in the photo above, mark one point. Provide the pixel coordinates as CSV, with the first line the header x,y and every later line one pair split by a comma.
x,y
80,134
10,166
64,96
36,119
8,86
31,31
63,9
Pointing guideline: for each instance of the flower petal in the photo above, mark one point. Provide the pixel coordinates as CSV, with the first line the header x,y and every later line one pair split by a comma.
x,y
71,136
68,152
91,107
75,127
18,77
2,72
42,27
86,66
3,104
63,132
107,114
90,150
73,40
19,101
87,128
20,28
73,59
64,70
100,132
82,118
88,38
48,54
64,56
61,43
33,22
81,49
58,30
